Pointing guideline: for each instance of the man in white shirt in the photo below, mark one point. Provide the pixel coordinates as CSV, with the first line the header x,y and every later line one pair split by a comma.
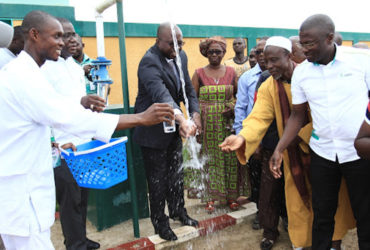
x,y
4,38
29,107
67,78
334,81
15,47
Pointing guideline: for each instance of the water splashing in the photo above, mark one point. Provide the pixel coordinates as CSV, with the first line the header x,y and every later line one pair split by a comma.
x,y
178,59
193,160
179,65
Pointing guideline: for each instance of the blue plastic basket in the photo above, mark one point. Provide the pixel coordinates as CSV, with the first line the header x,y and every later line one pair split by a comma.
x,y
97,164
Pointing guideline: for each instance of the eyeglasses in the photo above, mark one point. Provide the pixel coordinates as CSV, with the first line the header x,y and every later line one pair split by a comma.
x,y
308,45
259,52
214,51
171,44
69,35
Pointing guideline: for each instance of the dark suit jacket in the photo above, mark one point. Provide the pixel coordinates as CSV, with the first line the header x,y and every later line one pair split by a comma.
x,y
157,84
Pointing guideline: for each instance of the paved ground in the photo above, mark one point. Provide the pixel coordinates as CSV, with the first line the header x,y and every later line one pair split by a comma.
x,y
240,236
123,232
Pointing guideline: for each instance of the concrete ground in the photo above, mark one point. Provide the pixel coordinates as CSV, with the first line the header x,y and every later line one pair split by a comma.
x,y
243,237
239,236
123,232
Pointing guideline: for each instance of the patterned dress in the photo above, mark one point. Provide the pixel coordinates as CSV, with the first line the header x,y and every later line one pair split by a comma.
x,y
220,172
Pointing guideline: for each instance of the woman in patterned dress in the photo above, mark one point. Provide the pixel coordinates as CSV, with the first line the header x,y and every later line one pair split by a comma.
x,y
215,85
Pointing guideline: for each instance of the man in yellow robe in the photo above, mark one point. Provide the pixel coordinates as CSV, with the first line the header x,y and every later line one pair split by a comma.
x,y
266,109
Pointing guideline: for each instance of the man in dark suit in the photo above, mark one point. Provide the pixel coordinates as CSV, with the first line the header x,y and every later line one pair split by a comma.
x,y
159,81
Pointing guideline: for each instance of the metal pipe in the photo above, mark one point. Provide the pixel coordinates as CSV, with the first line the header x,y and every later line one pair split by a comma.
x,y
100,24
100,35
126,108
105,5
126,100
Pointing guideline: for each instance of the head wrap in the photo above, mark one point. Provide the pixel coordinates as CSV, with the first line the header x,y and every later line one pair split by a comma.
x,y
279,41
6,36
205,43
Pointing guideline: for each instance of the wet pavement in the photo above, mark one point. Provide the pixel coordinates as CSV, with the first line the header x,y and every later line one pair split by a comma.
x,y
243,237
239,236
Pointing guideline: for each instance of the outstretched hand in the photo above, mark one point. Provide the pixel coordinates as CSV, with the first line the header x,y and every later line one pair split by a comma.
x,y
232,143
275,164
93,102
156,113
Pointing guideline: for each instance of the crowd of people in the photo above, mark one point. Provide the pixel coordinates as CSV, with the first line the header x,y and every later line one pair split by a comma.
x,y
284,127
318,115
49,94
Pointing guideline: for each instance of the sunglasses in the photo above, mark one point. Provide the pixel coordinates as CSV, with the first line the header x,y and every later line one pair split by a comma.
x,y
215,51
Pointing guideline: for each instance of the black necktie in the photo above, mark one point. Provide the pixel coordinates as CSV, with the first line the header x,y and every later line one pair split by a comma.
x,y
174,68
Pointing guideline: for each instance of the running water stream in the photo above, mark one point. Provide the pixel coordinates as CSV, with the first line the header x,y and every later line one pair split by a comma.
x,y
179,65
193,160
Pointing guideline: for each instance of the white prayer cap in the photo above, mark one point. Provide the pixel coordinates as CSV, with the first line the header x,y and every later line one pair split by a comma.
x,y
6,34
279,41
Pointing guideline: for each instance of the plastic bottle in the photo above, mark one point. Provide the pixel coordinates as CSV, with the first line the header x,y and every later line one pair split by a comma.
x,y
55,153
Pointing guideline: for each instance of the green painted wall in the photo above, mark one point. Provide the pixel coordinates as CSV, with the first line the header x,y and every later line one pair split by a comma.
x,y
17,11
38,2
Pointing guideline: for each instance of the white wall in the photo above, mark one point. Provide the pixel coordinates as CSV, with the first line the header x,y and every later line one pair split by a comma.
x,y
347,15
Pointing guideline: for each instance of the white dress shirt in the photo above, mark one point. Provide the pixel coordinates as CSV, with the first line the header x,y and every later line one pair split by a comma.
x,y
336,93
29,107
171,62
68,79
5,56
245,96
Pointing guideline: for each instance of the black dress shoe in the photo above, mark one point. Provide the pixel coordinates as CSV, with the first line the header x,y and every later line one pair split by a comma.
x,y
186,220
266,244
166,233
92,244
256,223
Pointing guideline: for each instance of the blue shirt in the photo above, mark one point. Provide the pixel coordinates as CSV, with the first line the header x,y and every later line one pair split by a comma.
x,y
245,96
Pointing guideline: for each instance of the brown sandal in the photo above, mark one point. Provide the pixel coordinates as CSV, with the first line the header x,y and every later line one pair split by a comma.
x,y
241,200
233,205
210,207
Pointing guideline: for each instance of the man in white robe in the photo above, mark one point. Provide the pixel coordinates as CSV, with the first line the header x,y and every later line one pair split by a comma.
x,y
29,107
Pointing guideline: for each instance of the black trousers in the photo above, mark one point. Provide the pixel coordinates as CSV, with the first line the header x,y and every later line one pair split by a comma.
x,y
255,178
72,201
165,179
271,199
325,180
